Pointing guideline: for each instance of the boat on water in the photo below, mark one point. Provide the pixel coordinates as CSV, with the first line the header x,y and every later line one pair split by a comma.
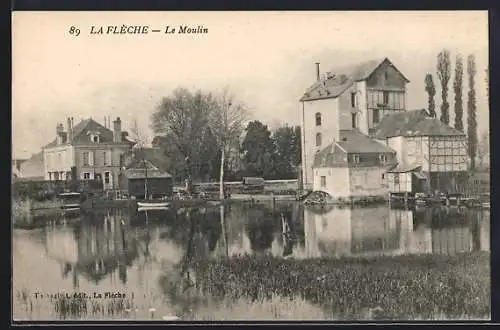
x,y
156,208
153,204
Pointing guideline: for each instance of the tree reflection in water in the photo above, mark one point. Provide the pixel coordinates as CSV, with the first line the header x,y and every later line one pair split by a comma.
x,y
177,281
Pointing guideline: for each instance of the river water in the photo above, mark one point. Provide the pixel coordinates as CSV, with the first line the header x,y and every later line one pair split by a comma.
x,y
139,255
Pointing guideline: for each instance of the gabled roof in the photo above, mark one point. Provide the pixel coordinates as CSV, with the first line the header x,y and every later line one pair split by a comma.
x,y
81,129
353,141
344,78
413,123
142,168
330,156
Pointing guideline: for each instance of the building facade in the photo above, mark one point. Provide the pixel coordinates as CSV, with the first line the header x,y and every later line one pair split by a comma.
x,y
355,166
32,168
86,151
356,97
419,140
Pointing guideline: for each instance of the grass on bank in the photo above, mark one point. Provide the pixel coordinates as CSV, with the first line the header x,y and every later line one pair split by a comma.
x,y
398,288
267,288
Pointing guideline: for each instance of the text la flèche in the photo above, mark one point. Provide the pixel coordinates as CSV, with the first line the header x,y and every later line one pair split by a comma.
x,y
119,29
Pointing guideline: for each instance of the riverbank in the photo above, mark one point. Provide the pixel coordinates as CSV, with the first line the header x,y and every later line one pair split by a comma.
x,y
391,288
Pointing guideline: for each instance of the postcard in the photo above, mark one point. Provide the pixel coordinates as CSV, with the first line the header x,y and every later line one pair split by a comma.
x,y
260,166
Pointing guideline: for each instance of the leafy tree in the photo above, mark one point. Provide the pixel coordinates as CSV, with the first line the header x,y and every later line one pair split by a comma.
x,y
177,165
430,88
183,117
283,141
457,87
471,112
226,123
444,73
257,148
287,151
297,147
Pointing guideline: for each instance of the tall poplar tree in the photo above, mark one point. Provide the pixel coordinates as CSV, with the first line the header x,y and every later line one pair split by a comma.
x,y
430,88
444,73
457,88
471,112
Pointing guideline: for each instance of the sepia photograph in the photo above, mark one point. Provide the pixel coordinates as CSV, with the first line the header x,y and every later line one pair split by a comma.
x,y
250,166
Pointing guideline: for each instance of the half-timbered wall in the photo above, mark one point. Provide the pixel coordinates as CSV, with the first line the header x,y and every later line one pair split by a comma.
x,y
386,93
447,154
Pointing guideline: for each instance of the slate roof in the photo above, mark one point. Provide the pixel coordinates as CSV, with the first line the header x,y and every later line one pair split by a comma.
x,y
80,133
344,78
353,141
401,168
329,156
413,123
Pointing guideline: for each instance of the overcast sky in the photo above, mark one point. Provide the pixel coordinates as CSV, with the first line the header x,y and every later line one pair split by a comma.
x,y
266,58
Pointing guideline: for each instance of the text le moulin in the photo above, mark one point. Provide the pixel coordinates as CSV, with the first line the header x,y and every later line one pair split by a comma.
x,y
145,29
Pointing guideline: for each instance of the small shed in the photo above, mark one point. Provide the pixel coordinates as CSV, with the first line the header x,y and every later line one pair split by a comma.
x,y
159,183
406,179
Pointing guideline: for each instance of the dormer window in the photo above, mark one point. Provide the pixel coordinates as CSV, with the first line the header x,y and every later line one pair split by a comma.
x,y
383,158
94,137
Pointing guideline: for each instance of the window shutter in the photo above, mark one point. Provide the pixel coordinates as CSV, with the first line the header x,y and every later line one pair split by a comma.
x,y
91,158
82,176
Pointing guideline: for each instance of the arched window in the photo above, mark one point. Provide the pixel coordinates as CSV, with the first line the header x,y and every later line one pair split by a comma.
x,y
318,119
318,139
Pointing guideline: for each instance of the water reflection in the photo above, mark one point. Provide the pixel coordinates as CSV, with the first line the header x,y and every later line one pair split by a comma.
x,y
151,251
381,231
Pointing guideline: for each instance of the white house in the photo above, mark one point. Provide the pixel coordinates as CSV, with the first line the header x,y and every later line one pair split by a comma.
x,y
355,97
355,166
86,151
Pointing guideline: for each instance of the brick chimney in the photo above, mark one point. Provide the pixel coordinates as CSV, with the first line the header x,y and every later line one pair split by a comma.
x,y
59,131
317,72
117,130
70,129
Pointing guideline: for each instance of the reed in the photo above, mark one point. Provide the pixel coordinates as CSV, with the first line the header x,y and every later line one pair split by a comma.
x,y
390,288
